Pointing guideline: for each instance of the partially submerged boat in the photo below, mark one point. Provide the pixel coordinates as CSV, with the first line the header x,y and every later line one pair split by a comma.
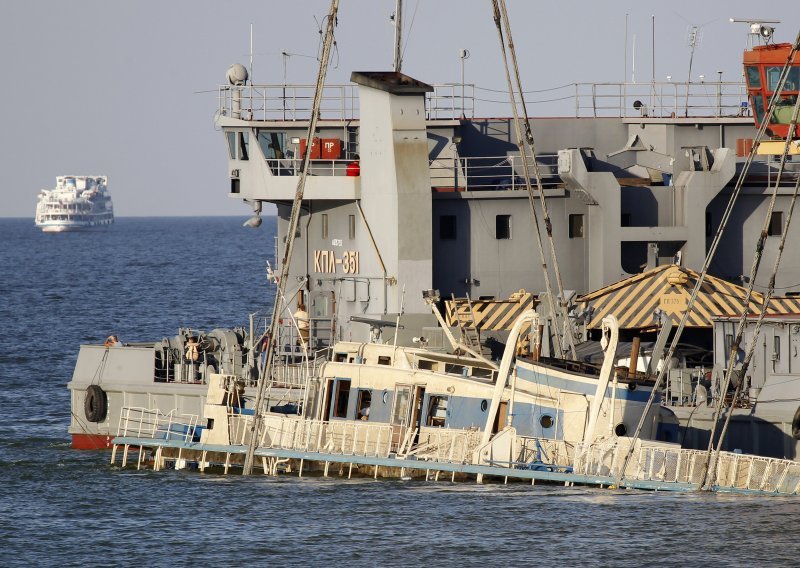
x,y
389,411
407,216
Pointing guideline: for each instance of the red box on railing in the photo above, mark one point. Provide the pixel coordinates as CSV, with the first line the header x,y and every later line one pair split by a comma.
x,y
322,148
315,148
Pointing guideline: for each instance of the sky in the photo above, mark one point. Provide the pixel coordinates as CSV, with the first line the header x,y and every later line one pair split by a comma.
x,y
129,89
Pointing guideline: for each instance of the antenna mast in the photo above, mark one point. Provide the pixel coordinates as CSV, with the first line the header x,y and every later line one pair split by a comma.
x,y
398,35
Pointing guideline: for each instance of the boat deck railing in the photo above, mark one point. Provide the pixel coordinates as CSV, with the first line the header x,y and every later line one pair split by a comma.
x,y
151,423
291,103
658,99
660,464
337,437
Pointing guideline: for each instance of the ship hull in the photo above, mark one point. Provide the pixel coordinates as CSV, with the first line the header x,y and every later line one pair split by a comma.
x,y
70,227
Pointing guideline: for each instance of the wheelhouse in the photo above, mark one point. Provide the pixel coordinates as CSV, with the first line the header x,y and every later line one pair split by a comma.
x,y
763,65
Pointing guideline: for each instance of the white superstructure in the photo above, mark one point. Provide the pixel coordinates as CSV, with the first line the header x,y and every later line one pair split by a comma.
x,y
77,202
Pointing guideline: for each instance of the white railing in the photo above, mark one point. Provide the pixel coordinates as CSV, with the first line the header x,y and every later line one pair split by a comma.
x,y
452,101
330,437
339,102
492,172
317,167
676,465
446,445
663,100
137,422
544,451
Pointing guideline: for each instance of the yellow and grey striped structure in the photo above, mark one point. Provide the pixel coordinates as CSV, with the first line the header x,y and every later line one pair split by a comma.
x,y
634,301
491,315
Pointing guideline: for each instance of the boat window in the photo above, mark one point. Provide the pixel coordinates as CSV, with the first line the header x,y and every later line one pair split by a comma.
x,y
340,357
324,225
437,411
753,77
244,143
364,404
231,144
784,109
342,398
758,107
576,226
352,224
620,429
776,348
546,421
775,224
401,402
425,365
774,75
384,360
502,225
447,227
271,144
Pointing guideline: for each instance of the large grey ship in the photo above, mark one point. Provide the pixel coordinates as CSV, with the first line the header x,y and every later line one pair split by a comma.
x,y
407,191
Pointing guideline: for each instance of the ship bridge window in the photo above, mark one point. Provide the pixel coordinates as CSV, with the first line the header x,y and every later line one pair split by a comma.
x,y
437,411
272,144
502,224
231,136
244,145
758,107
753,77
774,75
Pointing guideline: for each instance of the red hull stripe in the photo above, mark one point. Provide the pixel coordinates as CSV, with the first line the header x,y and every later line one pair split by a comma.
x,y
91,441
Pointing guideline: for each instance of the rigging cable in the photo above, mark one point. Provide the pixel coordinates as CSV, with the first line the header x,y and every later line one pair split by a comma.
x,y
709,257
711,464
559,311
294,220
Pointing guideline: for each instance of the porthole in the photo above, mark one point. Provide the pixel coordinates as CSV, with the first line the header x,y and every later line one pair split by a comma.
x,y
546,421
484,405
620,429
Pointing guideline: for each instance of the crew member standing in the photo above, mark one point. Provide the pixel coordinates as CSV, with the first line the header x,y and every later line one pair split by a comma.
x,y
301,316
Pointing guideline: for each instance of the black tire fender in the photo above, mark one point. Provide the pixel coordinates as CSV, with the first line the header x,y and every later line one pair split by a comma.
x,y
95,405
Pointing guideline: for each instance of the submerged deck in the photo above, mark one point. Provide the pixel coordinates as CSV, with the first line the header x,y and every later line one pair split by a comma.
x,y
296,444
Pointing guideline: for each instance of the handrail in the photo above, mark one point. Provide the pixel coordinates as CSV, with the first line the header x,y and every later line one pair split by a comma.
x,y
292,103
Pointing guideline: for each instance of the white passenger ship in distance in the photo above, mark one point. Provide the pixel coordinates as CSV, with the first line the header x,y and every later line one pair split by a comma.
x,y
76,203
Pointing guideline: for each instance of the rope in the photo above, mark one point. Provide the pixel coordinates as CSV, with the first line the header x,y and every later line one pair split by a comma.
x,y
501,21
709,257
543,201
294,220
711,464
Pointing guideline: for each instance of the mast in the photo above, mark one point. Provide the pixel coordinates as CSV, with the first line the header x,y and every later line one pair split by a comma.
x,y
398,35
558,307
294,220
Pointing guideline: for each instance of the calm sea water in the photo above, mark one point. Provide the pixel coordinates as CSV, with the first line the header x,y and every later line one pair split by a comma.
x,y
144,278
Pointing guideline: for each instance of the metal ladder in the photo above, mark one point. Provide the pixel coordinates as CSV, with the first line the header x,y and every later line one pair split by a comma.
x,y
465,318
